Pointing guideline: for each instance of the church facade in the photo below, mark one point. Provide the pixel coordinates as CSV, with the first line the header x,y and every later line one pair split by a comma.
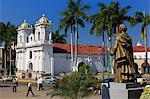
x,y
34,52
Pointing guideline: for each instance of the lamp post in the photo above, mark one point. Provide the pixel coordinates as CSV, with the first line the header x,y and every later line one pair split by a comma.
x,y
103,61
109,58
10,61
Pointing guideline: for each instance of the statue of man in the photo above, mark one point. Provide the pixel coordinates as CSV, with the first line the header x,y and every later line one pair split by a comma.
x,y
123,52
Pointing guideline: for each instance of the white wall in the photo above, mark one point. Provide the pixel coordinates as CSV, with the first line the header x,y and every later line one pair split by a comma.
x,y
140,55
94,61
61,63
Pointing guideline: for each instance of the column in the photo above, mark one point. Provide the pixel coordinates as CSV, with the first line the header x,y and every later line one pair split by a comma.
x,y
52,66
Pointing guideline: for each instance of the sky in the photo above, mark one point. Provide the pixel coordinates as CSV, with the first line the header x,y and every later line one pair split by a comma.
x,y
15,11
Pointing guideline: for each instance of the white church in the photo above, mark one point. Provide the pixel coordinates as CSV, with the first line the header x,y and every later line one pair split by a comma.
x,y
37,55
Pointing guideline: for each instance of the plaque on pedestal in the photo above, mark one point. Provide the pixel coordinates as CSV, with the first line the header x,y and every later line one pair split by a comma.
x,y
125,90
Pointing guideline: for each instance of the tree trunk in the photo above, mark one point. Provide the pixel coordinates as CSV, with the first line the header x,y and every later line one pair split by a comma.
x,y
10,61
103,53
5,61
109,57
76,43
145,44
14,58
71,40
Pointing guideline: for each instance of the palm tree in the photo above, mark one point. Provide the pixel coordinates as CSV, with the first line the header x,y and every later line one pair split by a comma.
x,y
117,16
108,20
65,23
8,35
2,31
143,19
78,10
58,38
76,16
100,25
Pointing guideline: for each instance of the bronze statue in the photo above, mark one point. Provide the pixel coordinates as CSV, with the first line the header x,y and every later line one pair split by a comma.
x,y
123,52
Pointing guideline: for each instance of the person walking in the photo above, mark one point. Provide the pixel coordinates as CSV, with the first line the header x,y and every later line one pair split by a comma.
x,y
38,84
40,81
14,85
29,84
16,78
105,92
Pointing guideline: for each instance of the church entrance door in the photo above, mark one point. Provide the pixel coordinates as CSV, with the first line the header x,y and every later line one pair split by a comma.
x,y
80,65
30,70
30,67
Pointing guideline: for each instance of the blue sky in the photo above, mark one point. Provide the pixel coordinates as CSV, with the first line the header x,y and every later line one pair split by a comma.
x,y
16,11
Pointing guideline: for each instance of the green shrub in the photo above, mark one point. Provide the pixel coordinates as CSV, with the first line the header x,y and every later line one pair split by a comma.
x,y
146,93
77,84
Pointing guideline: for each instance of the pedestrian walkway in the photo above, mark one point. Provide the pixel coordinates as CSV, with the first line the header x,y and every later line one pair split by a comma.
x,y
6,93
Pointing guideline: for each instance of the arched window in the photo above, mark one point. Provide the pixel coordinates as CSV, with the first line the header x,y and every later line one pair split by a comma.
x,y
20,39
134,56
30,55
146,70
38,36
80,65
27,39
31,38
30,69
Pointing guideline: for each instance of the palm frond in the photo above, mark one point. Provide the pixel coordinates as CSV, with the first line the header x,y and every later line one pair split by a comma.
x,y
101,6
139,16
85,8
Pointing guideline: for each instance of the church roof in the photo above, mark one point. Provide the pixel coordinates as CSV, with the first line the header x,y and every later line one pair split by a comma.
x,y
25,25
89,50
140,49
82,49
44,20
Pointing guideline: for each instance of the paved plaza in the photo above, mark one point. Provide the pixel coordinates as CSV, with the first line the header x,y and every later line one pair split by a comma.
x,y
6,93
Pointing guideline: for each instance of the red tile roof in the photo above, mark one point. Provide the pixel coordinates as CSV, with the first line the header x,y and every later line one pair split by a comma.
x,y
82,49
140,49
90,50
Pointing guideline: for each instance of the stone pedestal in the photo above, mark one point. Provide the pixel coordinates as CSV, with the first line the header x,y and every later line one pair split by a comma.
x,y
125,90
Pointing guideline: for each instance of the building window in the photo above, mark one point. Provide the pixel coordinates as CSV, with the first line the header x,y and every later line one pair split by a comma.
x,y
38,36
146,70
20,39
31,38
140,57
134,57
30,55
27,39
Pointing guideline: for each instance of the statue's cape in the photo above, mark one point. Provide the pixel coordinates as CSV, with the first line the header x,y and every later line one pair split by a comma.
x,y
125,48
125,38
